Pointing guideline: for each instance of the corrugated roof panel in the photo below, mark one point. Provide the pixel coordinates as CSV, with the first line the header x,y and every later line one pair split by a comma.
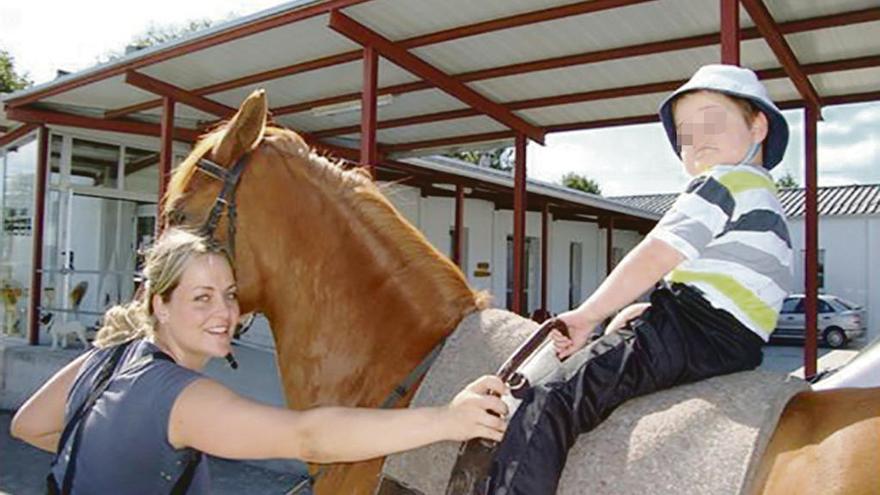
x,y
786,10
602,75
839,42
446,128
306,40
584,33
312,85
847,82
398,19
595,110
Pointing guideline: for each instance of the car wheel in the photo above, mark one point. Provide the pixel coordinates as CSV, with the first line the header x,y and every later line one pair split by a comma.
x,y
835,338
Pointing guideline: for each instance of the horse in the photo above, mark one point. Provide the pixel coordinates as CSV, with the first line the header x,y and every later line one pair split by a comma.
x,y
356,297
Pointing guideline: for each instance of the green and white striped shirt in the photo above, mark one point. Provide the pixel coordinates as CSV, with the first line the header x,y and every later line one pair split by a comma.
x,y
731,229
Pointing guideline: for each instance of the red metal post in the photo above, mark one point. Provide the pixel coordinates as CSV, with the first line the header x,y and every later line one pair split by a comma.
x,y
36,288
519,222
459,227
369,149
811,239
166,155
730,32
545,253
609,246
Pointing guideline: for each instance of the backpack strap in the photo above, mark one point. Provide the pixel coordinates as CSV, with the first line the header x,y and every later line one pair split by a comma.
x,y
74,427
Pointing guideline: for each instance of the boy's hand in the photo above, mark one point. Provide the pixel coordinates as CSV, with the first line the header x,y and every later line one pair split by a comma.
x,y
579,327
626,315
477,411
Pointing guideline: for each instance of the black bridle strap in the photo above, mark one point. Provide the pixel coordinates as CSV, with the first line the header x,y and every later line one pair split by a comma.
x,y
225,199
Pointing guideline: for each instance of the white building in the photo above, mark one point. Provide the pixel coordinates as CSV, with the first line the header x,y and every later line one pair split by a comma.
x,y
849,240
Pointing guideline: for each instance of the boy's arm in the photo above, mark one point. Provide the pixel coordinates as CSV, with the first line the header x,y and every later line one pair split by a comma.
x,y
639,271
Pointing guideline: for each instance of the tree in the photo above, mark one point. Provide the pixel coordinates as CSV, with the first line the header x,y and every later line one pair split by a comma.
x,y
581,183
787,181
10,80
157,34
498,158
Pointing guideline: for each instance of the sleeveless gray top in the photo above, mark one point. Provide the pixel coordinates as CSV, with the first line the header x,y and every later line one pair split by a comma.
x,y
124,446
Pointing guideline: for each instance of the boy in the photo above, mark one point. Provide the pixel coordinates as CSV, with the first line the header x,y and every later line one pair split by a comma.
x,y
724,254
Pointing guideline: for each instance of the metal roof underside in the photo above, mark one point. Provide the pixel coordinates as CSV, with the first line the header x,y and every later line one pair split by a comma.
x,y
521,66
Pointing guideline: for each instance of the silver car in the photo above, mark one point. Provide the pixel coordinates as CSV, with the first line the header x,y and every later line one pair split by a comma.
x,y
840,321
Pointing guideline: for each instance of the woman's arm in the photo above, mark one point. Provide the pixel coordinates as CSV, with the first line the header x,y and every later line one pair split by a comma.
x,y
40,420
644,266
211,418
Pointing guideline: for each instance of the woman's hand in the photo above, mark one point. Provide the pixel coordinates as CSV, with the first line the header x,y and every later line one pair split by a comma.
x,y
477,411
580,328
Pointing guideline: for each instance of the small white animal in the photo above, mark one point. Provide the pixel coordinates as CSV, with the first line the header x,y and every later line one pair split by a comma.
x,y
61,331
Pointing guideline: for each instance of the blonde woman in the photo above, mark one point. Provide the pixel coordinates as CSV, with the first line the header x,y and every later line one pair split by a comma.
x,y
148,424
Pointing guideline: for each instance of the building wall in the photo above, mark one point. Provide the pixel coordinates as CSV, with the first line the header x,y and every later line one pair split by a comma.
x,y
851,265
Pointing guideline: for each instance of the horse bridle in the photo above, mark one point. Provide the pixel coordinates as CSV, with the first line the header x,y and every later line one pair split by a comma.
x,y
225,199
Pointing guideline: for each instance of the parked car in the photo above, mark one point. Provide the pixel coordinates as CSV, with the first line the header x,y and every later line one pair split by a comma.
x,y
839,322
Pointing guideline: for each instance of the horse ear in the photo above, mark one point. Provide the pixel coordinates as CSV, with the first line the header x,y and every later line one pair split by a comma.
x,y
244,130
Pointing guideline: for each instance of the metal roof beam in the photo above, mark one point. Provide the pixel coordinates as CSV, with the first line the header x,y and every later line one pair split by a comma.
x,y
125,126
178,94
596,124
459,32
860,16
581,97
234,32
773,36
16,134
359,33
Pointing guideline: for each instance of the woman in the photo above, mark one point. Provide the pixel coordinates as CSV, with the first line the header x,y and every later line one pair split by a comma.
x,y
146,431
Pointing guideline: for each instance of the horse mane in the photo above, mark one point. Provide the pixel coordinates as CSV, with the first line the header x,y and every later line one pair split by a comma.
x,y
354,187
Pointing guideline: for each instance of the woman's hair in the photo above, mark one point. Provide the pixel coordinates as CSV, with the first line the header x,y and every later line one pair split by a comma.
x,y
165,263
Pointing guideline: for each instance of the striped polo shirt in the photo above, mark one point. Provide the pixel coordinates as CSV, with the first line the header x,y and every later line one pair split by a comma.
x,y
731,229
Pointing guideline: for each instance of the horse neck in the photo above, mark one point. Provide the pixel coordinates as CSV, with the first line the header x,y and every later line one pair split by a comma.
x,y
355,295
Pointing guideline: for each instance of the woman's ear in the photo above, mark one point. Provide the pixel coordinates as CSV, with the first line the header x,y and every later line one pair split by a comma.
x,y
160,310
760,128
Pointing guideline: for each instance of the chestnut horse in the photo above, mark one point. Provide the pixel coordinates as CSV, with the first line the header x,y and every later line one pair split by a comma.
x,y
356,297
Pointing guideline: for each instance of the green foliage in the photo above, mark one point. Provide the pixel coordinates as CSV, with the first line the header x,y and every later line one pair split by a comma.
x,y
10,80
498,158
581,183
787,181
157,34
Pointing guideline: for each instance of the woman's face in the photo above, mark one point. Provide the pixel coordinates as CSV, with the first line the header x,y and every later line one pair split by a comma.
x,y
712,130
198,321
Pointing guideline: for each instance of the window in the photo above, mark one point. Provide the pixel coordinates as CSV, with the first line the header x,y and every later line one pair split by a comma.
x,y
792,305
824,307
575,273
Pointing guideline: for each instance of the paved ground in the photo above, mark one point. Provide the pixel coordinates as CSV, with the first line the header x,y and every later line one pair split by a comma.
x,y
23,468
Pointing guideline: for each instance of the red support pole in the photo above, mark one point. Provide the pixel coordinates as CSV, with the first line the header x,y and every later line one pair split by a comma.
x,y
545,249
369,149
730,32
166,154
811,240
36,288
458,228
519,222
609,246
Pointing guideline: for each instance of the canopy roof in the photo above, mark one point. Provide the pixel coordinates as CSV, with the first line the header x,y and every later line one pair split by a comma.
x,y
459,73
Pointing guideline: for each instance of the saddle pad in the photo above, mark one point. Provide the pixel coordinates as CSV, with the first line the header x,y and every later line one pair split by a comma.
x,y
706,437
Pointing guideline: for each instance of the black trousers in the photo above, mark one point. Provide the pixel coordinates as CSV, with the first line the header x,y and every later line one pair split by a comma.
x,y
679,339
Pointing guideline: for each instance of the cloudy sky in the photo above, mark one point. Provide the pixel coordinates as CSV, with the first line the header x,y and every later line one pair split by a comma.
x,y
47,35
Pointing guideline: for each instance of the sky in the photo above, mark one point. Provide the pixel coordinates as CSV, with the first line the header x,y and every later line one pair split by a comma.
x,y
46,35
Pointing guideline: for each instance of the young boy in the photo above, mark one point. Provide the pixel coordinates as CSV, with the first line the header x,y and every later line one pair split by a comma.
x,y
724,256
